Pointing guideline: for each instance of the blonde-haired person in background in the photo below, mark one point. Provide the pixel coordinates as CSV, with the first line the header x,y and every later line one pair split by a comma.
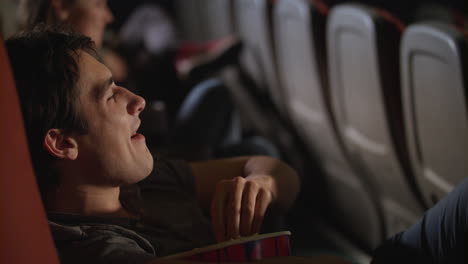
x,y
88,17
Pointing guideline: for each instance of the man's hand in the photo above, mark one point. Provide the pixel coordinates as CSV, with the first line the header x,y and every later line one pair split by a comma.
x,y
239,205
239,190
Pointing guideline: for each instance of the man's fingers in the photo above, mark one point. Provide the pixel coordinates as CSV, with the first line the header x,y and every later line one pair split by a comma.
x,y
233,207
238,208
248,208
218,217
261,205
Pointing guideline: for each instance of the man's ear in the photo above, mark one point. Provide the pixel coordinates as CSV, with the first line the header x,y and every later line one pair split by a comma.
x,y
60,145
60,10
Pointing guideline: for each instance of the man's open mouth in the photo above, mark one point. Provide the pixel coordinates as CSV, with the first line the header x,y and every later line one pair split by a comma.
x,y
137,136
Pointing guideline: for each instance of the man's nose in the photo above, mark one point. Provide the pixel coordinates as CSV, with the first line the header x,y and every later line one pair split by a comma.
x,y
136,104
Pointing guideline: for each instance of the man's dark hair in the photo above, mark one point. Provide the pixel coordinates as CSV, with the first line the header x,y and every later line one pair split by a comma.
x,y
44,63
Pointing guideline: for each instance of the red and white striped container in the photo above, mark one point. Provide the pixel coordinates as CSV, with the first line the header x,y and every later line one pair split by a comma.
x,y
241,250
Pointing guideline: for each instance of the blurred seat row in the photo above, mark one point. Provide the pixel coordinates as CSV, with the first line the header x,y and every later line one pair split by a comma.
x,y
381,104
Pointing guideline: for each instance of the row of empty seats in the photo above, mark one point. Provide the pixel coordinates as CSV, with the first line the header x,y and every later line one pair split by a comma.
x,y
381,104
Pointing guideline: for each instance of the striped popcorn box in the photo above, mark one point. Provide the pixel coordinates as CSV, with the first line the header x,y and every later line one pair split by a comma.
x,y
241,250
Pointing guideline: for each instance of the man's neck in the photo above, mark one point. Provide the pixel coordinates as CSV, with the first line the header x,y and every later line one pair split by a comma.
x,y
86,200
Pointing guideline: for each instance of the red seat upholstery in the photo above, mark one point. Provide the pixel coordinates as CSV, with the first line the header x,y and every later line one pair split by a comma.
x,y
24,233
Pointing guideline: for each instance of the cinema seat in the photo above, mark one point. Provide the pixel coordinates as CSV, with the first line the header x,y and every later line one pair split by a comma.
x,y
252,22
432,11
301,49
24,232
217,18
434,69
363,48
190,22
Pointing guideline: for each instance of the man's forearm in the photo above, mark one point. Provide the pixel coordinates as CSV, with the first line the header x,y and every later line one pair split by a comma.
x,y
240,190
285,182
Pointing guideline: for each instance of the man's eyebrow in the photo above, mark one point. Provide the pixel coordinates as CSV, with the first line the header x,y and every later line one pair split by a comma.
x,y
101,89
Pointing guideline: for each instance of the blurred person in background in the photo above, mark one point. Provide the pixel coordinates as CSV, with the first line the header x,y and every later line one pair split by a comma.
x,y
89,17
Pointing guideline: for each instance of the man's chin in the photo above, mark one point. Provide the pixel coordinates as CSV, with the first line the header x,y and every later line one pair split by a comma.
x,y
148,167
136,179
144,167
150,163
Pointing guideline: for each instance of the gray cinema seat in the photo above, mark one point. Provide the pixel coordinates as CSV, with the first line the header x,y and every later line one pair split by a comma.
x,y
434,70
205,20
189,17
300,44
363,48
252,24
217,18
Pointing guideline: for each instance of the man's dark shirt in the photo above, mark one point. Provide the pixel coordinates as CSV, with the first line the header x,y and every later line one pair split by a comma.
x,y
171,221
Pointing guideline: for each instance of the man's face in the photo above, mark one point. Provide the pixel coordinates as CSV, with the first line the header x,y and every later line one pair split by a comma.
x,y
112,148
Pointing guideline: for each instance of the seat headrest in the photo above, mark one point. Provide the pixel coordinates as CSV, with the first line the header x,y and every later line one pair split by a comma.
x,y
25,235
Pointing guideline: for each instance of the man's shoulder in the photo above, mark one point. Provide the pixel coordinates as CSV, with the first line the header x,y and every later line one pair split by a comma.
x,y
71,226
78,236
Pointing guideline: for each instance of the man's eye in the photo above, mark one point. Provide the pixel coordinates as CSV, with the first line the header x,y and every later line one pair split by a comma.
x,y
110,97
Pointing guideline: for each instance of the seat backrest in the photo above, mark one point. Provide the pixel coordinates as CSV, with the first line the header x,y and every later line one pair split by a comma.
x,y
300,44
205,20
252,23
25,235
189,16
365,89
217,18
432,11
299,27
434,70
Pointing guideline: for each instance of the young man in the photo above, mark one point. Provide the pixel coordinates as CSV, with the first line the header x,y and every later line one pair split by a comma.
x,y
92,165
